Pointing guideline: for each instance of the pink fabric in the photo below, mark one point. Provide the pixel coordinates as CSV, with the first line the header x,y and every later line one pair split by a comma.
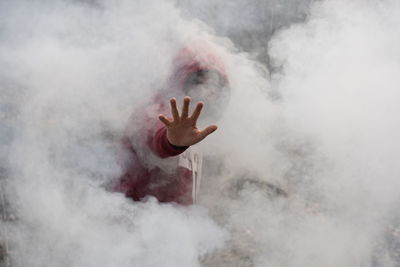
x,y
139,181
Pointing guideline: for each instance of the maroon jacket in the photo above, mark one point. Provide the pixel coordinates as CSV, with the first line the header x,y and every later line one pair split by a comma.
x,y
141,179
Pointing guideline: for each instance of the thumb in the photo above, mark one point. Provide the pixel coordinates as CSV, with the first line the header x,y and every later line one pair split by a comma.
x,y
207,131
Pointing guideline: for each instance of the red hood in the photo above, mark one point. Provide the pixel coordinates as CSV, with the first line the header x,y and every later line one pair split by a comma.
x,y
192,59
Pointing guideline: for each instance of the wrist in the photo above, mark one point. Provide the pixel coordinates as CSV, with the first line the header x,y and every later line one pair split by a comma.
x,y
163,147
174,145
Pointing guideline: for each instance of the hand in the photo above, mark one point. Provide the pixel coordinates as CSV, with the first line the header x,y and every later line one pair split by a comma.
x,y
182,130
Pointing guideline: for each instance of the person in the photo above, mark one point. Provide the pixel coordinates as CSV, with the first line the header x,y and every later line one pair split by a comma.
x,y
157,155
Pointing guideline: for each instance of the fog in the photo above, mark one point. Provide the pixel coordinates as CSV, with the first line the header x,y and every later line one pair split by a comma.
x,y
303,170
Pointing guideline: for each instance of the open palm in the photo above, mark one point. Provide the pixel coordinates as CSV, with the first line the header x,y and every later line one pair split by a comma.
x,y
182,129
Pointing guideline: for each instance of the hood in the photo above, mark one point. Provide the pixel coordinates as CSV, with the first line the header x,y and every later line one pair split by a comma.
x,y
194,58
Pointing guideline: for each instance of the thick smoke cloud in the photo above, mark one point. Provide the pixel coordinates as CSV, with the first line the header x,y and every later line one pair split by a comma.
x,y
72,74
302,171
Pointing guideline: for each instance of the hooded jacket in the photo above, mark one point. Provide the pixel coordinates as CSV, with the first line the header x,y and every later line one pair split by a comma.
x,y
151,165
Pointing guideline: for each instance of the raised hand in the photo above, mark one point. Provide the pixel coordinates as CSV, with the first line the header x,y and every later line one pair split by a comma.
x,y
182,130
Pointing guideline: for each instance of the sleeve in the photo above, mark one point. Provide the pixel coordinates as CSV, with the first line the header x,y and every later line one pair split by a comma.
x,y
162,147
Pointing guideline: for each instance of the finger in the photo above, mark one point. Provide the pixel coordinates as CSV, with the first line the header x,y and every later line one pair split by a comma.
x,y
197,111
174,109
164,120
185,109
207,131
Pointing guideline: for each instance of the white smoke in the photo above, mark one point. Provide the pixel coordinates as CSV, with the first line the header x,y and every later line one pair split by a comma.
x,y
303,170
329,140
77,72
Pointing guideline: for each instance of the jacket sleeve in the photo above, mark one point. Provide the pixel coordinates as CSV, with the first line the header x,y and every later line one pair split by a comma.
x,y
162,147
